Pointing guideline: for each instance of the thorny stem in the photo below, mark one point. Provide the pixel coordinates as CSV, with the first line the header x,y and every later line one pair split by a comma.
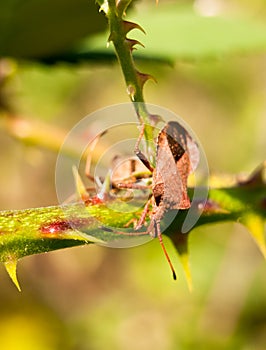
x,y
38,230
124,55
135,80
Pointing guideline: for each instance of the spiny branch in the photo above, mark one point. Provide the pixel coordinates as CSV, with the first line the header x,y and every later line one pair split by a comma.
x,y
135,80
39,230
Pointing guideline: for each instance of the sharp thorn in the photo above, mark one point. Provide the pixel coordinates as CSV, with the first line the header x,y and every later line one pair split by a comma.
x,y
11,268
128,26
80,187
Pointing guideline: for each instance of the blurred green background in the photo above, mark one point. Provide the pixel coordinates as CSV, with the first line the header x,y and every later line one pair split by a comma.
x,y
97,298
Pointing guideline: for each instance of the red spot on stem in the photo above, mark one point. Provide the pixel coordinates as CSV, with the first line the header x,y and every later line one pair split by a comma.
x,y
94,201
60,226
56,227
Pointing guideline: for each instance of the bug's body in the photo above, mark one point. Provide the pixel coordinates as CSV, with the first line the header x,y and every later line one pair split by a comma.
x,y
176,156
171,172
173,165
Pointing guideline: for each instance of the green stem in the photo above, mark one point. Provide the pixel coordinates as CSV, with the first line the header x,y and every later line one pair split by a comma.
x,y
39,230
124,55
134,80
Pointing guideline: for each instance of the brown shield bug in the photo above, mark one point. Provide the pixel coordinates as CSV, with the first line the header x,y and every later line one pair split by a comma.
x,y
177,156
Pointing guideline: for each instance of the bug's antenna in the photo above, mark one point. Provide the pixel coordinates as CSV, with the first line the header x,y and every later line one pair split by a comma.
x,y
159,235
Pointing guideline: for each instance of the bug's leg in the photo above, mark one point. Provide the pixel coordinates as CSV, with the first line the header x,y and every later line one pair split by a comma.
x,y
138,223
138,152
132,186
124,233
143,214
159,235
131,221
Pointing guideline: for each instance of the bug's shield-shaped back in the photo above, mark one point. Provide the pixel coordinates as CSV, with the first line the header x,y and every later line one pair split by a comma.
x,y
177,156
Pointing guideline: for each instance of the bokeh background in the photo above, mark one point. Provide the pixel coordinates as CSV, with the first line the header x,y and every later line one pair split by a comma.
x,y
92,298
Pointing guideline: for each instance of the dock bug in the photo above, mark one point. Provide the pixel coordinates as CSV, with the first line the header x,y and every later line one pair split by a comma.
x,y
177,155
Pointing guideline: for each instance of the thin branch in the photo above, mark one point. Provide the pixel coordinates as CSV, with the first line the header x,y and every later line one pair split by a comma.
x,y
38,230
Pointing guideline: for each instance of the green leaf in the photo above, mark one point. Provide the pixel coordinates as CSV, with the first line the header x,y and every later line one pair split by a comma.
x,y
179,33
53,31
